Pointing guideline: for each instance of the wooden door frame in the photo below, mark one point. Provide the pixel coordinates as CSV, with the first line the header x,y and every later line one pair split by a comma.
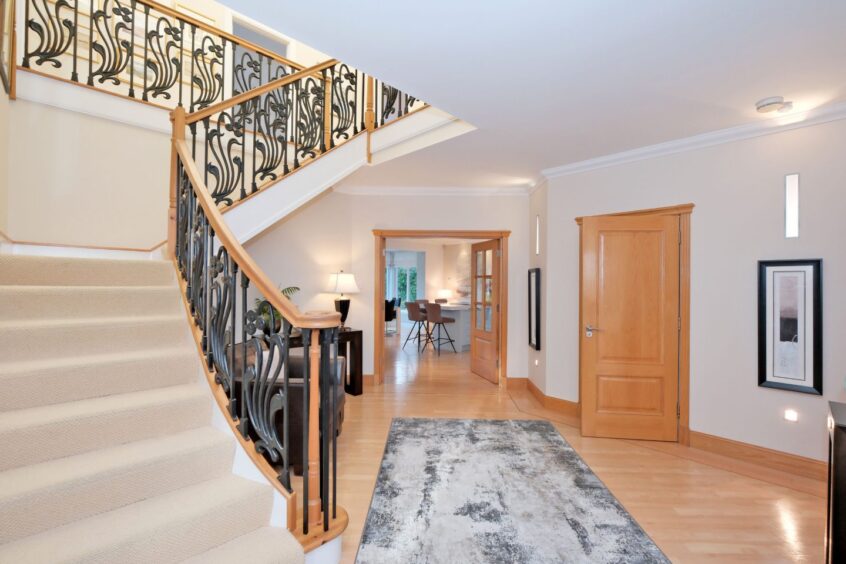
x,y
380,236
683,211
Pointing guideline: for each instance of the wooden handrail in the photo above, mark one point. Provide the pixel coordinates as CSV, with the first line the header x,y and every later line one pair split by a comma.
x,y
302,320
257,91
220,33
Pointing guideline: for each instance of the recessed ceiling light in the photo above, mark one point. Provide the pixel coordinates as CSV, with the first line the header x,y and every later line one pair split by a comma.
x,y
773,104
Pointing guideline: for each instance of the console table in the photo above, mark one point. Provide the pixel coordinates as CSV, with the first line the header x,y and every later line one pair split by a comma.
x,y
835,530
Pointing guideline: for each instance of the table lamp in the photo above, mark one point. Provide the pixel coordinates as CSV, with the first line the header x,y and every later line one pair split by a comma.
x,y
342,283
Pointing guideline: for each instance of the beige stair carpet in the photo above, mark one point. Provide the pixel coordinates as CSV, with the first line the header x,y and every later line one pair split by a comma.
x,y
107,453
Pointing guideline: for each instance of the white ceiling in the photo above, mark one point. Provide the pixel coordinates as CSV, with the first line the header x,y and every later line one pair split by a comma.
x,y
551,82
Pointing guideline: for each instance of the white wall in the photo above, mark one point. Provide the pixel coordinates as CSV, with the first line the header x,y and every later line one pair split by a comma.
x,y
80,180
738,189
343,223
537,359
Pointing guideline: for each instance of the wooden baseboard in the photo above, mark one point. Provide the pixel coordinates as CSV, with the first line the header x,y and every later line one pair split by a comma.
x,y
516,383
785,462
570,409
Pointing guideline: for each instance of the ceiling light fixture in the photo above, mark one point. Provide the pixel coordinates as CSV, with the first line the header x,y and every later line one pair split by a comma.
x,y
773,104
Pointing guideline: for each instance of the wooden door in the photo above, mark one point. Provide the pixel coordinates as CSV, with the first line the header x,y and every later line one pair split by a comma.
x,y
484,310
630,327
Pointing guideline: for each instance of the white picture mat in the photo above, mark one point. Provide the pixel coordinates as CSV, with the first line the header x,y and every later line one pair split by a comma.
x,y
805,352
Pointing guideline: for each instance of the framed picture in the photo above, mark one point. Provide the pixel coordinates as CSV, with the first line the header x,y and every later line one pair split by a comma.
x,y
790,325
534,308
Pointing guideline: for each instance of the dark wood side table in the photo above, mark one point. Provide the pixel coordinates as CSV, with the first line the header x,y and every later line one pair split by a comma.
x,y
350,346
835,530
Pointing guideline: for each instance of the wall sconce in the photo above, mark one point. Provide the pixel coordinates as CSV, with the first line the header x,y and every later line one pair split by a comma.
x,y
791,206
791,415
537,234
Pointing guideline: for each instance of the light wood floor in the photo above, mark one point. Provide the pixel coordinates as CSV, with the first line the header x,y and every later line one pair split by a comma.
x,y
687,501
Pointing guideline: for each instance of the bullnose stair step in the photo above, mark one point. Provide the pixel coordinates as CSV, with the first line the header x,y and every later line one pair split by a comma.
x,y
268,545
59,380
18,270
163,529
52,302
31,436
36,498
22,340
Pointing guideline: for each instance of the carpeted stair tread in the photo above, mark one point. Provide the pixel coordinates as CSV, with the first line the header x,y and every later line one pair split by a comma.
x,y
268,545
50,494
66,271
30,436
28,339
44,302
51,380
167,528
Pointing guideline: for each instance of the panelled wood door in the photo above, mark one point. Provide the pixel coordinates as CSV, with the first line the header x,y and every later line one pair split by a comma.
x,y
630,327
484,309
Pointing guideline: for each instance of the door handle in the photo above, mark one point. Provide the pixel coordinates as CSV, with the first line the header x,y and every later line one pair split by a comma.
x,y
589,330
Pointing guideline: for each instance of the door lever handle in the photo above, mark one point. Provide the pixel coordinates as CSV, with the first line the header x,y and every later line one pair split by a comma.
x,y
589,329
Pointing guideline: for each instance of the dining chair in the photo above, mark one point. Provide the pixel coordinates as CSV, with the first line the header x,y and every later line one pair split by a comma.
x,y
435,317
416,315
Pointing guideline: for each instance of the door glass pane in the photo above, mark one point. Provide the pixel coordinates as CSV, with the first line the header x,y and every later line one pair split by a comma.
x,y
488,290
488,318
479,318
488,262
479,289
480,262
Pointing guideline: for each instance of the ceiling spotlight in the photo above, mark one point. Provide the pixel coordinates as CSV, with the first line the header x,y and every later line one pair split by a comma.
x,y
773,104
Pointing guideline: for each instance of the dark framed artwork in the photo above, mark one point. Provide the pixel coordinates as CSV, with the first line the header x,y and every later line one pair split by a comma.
x,y
534,308
790,325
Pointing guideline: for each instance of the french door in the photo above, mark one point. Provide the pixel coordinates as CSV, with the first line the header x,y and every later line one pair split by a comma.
x,y
485,309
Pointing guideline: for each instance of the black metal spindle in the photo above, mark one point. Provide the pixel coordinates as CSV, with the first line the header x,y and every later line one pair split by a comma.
x,y
74,73
254,187
223,72
233,288
244,423
323,117
208,258
296,113
330,106
191,76
146,53
244,109
181,56
287,138
334,394
306,335
91,43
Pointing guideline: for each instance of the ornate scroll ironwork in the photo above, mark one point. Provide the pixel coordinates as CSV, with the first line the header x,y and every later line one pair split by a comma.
x,y
55,31
271,140
207,73
309,118
390,100
224,156
221,298
164,57
344,102
113,24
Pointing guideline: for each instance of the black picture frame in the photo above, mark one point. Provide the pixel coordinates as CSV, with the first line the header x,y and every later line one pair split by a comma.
x,y
813,382
534,308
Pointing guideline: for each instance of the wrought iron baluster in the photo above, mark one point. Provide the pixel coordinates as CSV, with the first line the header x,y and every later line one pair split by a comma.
x,y
294,123
74,73
181,75
244,146
113,50
233,289
55,32
208,267
244,423
306,336
166,68
333,392
191,77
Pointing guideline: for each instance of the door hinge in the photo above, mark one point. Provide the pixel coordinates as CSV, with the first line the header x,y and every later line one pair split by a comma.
x,y
678,411
499,252
679,326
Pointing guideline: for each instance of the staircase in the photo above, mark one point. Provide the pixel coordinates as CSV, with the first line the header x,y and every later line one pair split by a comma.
x,y
107,453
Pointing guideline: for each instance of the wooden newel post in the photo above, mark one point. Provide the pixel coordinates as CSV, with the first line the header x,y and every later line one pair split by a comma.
x,y
327,110
369,111
177,118
315,513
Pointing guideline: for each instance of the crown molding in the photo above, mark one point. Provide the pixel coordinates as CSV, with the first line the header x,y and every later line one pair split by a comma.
x,y
418,191
748,131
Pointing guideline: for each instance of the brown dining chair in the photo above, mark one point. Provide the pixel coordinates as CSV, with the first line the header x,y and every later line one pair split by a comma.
x,y
438,321
441,301
416,315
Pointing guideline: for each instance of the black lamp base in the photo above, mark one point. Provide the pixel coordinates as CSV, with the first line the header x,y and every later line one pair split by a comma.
x,y
342,306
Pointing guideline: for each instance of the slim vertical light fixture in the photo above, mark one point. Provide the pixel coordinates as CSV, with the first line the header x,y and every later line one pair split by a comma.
x,y
537,234
791,206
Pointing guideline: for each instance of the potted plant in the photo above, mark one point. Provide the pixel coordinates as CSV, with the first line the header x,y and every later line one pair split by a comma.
x,y
263,309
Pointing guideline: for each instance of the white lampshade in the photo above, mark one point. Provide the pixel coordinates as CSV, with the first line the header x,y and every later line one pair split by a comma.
x,y
342,283
444,294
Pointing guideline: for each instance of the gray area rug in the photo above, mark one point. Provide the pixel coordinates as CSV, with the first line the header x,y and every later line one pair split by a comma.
x,y
471,490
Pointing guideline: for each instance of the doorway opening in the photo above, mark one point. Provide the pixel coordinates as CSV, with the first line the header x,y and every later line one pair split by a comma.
x,y
440,298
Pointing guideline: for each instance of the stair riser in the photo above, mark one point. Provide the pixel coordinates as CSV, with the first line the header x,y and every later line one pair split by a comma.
x,y
36,271
70,383
36,444
29,303
181,540
30,343
69,502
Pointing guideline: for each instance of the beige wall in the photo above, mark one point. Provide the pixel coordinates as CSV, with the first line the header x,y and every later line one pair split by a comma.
x,y
342,228
738,189
4,161
80,180
538,207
